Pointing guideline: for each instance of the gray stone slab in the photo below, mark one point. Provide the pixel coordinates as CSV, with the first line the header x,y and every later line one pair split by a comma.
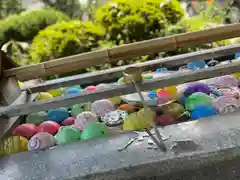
x,y
218,157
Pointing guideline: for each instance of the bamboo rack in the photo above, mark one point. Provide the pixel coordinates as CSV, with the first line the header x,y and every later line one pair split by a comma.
x,y
81,61
114,73
124,52
174,79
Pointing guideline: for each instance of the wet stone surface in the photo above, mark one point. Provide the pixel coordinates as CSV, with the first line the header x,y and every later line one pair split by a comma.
x,y
184,145
218,157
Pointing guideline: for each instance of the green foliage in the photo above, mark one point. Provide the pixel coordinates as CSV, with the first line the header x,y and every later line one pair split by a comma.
x,y
216,12
25,27
136,20
89,8
189,25
65,39
172,10
9,7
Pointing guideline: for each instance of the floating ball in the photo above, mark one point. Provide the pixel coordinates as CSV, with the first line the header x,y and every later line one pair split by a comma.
x,y
157,90
171,90
197,87
94,130
90,88
226,104
161,70
67,134
237,55
196,65
162,93
197,99
121,81
163,96
233,92
12,145
182,99
203,111
73,91
25,130
236,75
103,86
115,100
236,60
20,84
69,121
49,127
173,110
37,118
85,118
114,118
101,107
225,62
151,102
217,93
58,115
77,109
164,120
43,96
212,63
226,81
127,107
147,76
152,94
40,141
139,120
87,106
57,92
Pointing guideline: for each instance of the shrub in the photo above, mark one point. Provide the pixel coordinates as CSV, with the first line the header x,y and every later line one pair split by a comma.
x,y
172,10
130,21
65,39
189,25
25,26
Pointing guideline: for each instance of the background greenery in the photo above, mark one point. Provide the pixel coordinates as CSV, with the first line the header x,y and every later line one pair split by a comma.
x,y
130,21
67,28
65,39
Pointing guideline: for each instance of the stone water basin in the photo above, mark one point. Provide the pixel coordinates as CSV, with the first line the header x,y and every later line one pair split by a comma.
x,y
217,157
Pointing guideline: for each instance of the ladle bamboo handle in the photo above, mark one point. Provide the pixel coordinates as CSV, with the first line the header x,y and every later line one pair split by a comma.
x,y
158,142
133,75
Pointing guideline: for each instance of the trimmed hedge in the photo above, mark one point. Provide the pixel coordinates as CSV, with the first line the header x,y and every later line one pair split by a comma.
x,y
136,20
189,25
25,27
172,10
65,39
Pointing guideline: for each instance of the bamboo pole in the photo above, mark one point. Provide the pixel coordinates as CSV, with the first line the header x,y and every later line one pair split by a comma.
x,y
173,79
114,73
82,61
7,124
